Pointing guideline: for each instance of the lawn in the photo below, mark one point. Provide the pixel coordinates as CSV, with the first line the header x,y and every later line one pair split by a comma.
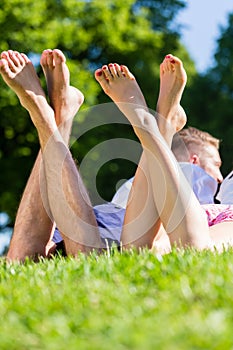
x,y
119,301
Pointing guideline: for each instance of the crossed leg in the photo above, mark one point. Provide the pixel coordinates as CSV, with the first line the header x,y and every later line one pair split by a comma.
x,y
60,178
170,118
65,101
170,198
33,225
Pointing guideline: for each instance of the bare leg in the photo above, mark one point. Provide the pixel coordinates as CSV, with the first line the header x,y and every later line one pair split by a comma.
x,y
179,210
141,219
170,118
65,100
141,197
222,235
33,225
19,74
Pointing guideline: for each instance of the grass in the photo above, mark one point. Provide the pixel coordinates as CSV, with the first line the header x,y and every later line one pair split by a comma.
x,y
122,301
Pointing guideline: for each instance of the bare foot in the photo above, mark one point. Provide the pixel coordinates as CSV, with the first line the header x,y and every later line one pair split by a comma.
x,y
172,82
119,84
19,74
64,99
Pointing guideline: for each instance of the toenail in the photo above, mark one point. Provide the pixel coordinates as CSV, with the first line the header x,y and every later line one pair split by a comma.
x,y
110,65
173,61
99,73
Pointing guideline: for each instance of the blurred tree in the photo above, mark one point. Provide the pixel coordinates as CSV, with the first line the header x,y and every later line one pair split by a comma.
x,y
209,101
90,33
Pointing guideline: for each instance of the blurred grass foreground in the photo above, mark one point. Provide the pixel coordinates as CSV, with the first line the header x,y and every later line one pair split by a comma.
x,y
119,301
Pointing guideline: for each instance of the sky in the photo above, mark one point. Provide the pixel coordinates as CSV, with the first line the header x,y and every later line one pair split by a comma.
x,y
201,20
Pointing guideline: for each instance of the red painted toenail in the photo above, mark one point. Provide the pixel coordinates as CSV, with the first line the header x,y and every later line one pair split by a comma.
x,y
168,56
105,67
173,61
99,73
110,65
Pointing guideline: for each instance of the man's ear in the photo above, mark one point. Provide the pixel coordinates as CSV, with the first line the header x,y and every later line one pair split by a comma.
x,y
194,159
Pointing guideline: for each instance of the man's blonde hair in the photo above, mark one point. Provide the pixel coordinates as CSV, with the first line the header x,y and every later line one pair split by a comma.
x,y
191,140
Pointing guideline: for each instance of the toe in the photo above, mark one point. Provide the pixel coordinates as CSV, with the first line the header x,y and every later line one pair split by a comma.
x,y
112,69
14,57
118,70
171,61
127,73
5,69
58,56
107,73
176,66
4,54
21,59
49,59
177,61
8,55
167,63
24,57
101,78
44,57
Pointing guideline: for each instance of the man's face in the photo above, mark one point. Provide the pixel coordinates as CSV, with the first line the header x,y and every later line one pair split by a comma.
x,y
210,161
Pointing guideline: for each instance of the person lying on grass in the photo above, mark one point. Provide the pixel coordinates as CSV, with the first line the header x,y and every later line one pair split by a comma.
x,y
185,221
55,192
198,155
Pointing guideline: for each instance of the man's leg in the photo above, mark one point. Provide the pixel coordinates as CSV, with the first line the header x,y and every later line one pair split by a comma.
x,y
179,211
34,226
19,74
65,100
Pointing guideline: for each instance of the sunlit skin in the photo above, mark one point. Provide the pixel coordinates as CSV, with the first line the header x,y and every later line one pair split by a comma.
x,y
209,159
171,204
193,228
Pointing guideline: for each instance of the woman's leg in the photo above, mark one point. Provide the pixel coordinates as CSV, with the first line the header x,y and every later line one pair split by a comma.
x,y
222,235
179,211
170,116
141,219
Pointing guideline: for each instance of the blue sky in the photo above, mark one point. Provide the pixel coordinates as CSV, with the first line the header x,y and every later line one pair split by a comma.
x,y
201,20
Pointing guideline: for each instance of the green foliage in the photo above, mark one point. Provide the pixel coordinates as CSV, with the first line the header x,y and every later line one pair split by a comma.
x,y
90,33
209,100
123,301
